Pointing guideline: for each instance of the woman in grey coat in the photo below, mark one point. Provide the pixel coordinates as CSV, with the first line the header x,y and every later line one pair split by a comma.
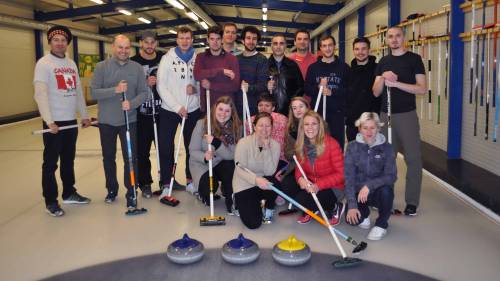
x,y
370,173
226,131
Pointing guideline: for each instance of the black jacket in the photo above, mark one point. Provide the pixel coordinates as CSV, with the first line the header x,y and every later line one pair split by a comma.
x,y
289,83
360,98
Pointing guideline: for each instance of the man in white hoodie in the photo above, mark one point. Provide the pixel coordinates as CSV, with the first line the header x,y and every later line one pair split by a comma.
x,y
180,99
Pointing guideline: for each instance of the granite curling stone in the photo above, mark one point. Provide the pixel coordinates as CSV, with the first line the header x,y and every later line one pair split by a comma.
x,y
240,250
185,250
291,252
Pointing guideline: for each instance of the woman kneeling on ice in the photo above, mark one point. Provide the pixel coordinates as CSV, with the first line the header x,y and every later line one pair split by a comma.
x,y
321,158
259,153
370,173
226,131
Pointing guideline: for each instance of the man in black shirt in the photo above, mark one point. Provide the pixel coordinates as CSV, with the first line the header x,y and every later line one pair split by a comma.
x,y
404,73
286,79
360,98
149,59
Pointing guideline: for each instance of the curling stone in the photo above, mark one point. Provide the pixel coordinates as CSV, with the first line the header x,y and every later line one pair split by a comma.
x,y
185,250
291,252
240,251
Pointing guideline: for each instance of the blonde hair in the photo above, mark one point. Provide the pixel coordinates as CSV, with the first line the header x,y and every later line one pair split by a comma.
x,y
216,129
367,116
290,126
319,140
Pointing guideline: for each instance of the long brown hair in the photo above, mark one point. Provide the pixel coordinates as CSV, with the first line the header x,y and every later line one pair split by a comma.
x,y
319,140
216,129
292,121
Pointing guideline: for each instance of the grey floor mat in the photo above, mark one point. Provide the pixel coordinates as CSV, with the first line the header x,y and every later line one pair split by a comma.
x,y
213,268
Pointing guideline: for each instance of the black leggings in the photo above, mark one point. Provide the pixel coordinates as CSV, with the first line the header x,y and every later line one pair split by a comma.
x,y
326,197
221,172
248,203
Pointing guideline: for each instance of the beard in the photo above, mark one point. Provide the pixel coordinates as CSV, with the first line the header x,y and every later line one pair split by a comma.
x,y
249,50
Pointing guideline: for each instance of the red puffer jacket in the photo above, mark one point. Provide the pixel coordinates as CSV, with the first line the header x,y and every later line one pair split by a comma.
x,y
327,171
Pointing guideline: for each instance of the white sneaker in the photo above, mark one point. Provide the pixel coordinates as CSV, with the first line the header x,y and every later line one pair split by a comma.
x,y
365,224
376,233
190,188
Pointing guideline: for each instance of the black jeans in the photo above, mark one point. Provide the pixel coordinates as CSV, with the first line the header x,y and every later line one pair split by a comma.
x,y
145,137
222,172
60,146
289,185
108,135
248,203
169,122
381,198
335,121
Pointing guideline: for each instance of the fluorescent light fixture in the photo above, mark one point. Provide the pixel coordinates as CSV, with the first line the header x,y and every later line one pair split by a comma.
x,y
264,29
264,10
172,31
264,42
144,20
125,12
204,24
192,15
175,4
97,1
264,17
201,43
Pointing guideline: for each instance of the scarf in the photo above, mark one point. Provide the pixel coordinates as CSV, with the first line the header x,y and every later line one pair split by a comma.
x,y
310,151
186,57
226,133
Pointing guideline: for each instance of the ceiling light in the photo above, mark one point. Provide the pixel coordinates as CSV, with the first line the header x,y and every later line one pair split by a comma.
x,y
172,31
192,15
201,43
264,29
264,10
125,12
175,4
204,24
98,1
144,20
264,17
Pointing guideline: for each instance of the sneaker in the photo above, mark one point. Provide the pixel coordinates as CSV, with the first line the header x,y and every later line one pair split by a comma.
x,y
190,188
280,201
337,214
146,191
131,202
76,198
233,212
267,217
177,186
376,233
110,198
411,210
365,224
305,218
55,210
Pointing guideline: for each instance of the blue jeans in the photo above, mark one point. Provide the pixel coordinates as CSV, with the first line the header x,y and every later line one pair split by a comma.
x,y
382,199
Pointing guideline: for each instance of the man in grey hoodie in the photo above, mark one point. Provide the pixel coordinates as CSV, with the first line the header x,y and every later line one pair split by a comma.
x,y
112,78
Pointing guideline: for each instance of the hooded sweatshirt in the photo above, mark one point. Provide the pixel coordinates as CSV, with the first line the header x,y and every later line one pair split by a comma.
x,y
371,165
360,98
174,74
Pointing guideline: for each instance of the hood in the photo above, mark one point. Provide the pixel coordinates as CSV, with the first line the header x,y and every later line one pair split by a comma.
x,y
379,139
371,60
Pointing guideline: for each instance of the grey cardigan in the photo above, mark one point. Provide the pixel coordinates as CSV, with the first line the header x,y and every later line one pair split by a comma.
x,y
197,149
262,163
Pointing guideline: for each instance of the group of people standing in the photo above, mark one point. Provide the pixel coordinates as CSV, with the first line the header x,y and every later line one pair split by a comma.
x,y
172,87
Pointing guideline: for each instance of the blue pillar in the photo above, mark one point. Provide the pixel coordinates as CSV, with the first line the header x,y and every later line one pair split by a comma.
x,y
394,12
102,52
361,21
342,40
456,84
38,44
75,49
